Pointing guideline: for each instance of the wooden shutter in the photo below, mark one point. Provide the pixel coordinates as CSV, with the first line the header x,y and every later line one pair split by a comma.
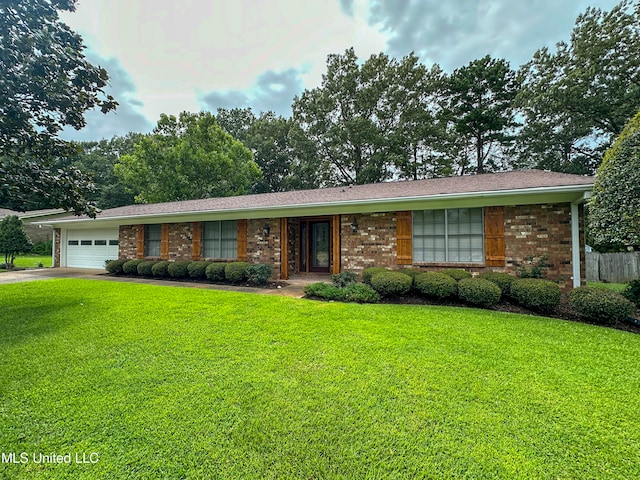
x,y
494,236
164,241
404,245
196,240
284,248
335,244
242,240
140,242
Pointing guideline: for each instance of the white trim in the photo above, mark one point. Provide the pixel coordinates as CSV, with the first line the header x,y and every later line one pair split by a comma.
x,y
575,238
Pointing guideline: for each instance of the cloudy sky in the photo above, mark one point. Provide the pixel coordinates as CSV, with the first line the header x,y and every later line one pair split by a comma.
x,y
165,56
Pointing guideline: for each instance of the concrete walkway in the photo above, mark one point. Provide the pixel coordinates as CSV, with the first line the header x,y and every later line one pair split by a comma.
x,y
294,287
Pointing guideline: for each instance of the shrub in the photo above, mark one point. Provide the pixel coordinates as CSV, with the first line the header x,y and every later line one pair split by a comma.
x,y
235,272
536,293
412,272
178,269
360,293
600,305
115,266
632,292
131,267
259,274
215,271
435,285
324,290
341,280
503,280
456,273
197,269
391,284
534,267
42,248
479,291
159,269
144,268
367,273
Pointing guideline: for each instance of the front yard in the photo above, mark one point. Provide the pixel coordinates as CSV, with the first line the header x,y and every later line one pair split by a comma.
x,y
169,382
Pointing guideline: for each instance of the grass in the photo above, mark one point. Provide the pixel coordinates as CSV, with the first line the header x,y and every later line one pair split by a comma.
x,y
170,382
616,287
31,261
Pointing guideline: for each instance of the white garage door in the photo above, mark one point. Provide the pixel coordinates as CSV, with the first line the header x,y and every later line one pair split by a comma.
x,y
90,248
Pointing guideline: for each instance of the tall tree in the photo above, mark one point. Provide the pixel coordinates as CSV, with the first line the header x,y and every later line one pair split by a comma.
x,y
479,105
187,158
353,117
577,99
614,210
46,84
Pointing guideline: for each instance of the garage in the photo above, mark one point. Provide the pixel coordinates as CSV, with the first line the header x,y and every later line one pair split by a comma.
x,y
90,248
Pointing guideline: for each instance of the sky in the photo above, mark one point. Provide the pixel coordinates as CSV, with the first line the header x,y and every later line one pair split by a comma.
x,y
164,56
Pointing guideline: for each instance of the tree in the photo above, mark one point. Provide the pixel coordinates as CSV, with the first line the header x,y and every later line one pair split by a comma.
x,y
13,239
353,118
614,210
46,84
187,158
577,99
479,105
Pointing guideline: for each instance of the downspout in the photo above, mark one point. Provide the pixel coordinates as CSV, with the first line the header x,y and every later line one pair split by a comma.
x,y
575,238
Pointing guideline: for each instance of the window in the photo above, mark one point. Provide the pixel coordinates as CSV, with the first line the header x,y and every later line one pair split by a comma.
x,y
73,242
113,242
100,242
152,240
220,239
448,236
85,242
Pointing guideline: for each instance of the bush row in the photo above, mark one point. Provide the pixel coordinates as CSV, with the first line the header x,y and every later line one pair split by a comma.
x,y
232,272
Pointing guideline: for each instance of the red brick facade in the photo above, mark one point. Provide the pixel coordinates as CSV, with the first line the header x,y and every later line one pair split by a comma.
x,y
529,231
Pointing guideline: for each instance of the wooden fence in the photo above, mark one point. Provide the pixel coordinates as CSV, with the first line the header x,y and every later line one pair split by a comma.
x,y
613,267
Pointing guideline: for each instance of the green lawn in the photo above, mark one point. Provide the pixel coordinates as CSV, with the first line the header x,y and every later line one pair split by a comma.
x,y
31,261
171,382
616,287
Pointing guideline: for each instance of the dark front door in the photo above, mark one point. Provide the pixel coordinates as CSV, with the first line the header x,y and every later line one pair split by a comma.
x,y
315,246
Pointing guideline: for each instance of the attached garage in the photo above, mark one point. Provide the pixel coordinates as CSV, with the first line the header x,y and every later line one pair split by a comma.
x,y
90,248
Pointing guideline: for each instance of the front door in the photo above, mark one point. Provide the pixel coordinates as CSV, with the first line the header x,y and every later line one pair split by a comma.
x,y
315,246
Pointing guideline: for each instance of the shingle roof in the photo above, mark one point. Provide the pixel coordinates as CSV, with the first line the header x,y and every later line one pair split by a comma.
x,y
495,182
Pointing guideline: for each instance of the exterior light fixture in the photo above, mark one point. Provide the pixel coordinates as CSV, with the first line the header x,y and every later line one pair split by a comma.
x,y
354,225
266,229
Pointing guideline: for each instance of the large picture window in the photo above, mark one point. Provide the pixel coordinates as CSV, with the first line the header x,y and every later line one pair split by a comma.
x,y
220,239
152,240
454,235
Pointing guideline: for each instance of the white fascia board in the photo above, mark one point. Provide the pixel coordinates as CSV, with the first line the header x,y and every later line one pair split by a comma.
x,y
569,194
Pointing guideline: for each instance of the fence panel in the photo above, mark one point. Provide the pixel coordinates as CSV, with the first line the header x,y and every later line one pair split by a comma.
x,y
619,267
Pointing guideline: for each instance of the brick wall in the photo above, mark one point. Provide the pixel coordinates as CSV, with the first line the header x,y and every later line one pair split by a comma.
x,y
56,247
264,249
374,244
180,242
128,241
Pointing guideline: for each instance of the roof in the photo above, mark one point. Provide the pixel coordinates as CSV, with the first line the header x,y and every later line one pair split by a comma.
x,y
521,187
32,214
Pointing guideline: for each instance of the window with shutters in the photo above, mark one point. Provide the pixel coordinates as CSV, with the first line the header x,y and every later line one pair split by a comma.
x,y
152,240
220,239
454,235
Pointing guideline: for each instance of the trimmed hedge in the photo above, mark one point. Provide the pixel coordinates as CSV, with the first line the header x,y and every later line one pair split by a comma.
x,y
178,269
197,269
632,292
259,274
115,266
456,273
479,291
324,290
342,279
131,267
503,280
159,269
391,284
367,273
536,294
354,292
600,305
435,285
236,272
215,271
412,272
144,268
